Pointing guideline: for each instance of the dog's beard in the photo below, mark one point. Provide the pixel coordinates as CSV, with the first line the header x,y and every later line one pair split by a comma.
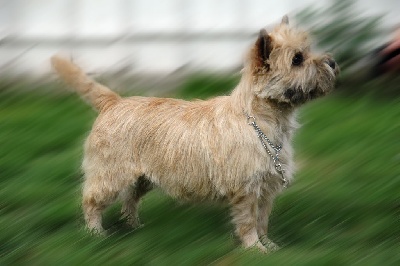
x,y
318,82
298,95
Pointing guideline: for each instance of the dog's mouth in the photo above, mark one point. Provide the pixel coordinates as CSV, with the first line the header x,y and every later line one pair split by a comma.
x,y
298,96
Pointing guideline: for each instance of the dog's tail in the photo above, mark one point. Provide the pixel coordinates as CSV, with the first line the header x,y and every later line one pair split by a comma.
x,y
97,95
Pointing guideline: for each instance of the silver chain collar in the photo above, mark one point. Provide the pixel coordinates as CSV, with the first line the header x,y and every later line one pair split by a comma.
x,y
251,120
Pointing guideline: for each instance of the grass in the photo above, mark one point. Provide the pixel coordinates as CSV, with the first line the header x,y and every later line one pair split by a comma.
x,y
343,209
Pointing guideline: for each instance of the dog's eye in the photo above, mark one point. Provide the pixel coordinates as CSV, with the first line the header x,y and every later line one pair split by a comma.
x,y
298,59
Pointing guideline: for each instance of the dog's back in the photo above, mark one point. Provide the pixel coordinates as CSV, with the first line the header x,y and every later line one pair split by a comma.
x,y
190,149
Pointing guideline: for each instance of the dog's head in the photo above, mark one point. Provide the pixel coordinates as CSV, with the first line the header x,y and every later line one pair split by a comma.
x,y
285,71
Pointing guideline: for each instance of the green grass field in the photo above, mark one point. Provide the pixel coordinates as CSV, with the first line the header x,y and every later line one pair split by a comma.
x,y
343,209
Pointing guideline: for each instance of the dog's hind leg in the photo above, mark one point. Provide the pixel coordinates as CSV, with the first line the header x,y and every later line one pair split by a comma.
x,y
98,193
130,198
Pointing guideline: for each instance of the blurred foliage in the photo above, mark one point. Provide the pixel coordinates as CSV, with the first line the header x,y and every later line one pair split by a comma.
x,y
343,30
339,27
343,208
203,86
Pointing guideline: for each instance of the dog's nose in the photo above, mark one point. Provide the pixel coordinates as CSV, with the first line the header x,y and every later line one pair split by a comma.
x,y
331,63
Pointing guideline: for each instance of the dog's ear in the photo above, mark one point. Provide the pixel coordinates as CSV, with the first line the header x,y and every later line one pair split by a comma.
x,y
264,47
285,20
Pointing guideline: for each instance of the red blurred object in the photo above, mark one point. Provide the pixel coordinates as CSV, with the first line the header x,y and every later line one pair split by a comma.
x,y
390,56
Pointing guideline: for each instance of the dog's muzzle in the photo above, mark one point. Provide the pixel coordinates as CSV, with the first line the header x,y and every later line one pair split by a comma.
x,y
331,63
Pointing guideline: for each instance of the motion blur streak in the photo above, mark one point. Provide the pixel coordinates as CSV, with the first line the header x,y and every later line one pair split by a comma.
x,y
343,208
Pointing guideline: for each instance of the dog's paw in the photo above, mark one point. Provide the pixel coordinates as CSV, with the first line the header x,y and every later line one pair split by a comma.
x,y
258,247
96,231
132,222
268,244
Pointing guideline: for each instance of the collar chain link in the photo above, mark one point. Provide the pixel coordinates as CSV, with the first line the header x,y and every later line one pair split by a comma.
x,y
251,120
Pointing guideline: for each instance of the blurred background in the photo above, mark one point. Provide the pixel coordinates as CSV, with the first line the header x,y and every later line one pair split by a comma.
x,y
150,36
343,209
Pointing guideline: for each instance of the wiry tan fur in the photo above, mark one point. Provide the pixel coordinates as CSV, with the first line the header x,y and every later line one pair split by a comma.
x,y
201,150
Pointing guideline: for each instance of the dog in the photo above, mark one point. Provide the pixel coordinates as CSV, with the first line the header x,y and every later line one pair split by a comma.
x,y
235,148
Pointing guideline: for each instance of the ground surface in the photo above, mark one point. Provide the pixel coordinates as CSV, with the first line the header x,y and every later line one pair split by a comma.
x,y
343,209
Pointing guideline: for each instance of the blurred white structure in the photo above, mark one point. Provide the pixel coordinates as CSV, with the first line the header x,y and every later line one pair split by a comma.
x,y
152,36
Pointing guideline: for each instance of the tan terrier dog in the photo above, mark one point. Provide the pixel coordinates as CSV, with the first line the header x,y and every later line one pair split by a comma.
x,y
225,148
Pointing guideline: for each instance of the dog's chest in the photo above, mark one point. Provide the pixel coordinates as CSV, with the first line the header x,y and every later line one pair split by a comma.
x,y
277,152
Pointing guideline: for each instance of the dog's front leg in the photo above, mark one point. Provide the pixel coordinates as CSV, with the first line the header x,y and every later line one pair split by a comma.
x,y
244,213
264,211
